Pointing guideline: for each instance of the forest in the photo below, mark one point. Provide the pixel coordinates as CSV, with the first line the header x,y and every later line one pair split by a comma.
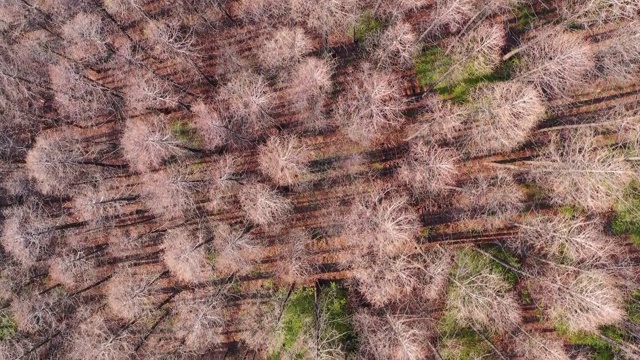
x,y
320,179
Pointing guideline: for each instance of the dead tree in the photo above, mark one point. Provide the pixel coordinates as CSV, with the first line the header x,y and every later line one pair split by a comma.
x,y
480,298
493,199
147,144
311,85
284,159
501,117
371,106
394,336
264,206
285,48
451,14
185,254
580,172
36,313
555,61
235,251
199,315
396,47
381,222
95,338
429,169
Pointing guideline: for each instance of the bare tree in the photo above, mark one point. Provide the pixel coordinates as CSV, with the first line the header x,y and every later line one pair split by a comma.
x,y
185,254
327,17
60,160
73,269
581,172
96,339
35,313
286,47
443,120
214,128
396,47
561,239
263,205
384,279
596,11
502,116
147,144
394,336
451,14
225,181
28,233
128,294
148,91
261,11
556,61
429,168
248,100
198,315
235,251
480,297
371,106
310,86
261,325
101,204
618,58
284,159
172,192
477,53
382,222
532,346
294,264
77,97
86,37
167,39
582,300
493,198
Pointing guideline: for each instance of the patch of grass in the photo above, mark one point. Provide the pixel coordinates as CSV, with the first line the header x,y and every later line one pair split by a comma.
x,y
334,301
298,315
633,307
8,326
461,343
627,214
602,349
571,211
505,256
184,132
433,64
367,25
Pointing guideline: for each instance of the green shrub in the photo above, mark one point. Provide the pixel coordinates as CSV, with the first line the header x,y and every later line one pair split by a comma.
x,y
431,65
334,301
8,326
367,25
627,214
298,315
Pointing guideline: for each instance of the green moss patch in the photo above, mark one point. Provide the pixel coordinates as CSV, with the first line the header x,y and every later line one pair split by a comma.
x,y
626,220
367,25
